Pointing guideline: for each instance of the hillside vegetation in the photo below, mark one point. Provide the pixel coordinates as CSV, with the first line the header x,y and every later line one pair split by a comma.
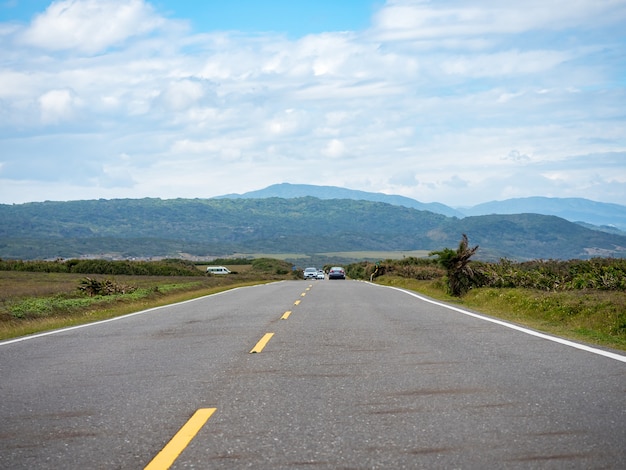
x,y
218,227
598,215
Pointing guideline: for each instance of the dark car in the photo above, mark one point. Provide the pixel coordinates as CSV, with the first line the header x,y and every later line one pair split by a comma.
x,y
337,273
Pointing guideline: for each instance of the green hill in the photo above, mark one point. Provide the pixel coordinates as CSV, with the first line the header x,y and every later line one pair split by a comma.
x,y
216,227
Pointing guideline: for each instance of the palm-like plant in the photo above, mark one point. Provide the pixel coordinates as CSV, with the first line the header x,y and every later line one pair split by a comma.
x,y
457,265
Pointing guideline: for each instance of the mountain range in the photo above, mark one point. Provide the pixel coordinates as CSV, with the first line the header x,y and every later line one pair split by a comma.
x,y
268,224
597,215
290,191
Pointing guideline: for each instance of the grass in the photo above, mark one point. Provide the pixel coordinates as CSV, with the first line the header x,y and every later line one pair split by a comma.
x,y
591,316
35,302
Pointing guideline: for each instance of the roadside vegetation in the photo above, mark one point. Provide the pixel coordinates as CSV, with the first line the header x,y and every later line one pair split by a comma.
x,y
43,295
580,299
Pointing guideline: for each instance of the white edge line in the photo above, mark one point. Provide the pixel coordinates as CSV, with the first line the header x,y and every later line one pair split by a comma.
x,y
100,322
611,355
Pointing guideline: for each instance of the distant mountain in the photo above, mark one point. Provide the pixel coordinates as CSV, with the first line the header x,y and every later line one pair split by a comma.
x,y
517,236
602,228
597,215
289,191
572,209
307,225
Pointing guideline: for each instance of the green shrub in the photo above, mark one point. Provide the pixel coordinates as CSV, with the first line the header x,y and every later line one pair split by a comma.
x,y
551,275
271,266
546,275
167,267
57,266
410,267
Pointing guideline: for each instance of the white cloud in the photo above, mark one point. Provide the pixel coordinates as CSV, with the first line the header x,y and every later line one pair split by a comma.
x,y
419,20
58,105
288,122
90,26
335,148
436,101
504,63
181,95
115,176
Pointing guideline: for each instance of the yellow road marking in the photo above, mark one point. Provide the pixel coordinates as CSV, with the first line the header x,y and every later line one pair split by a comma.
x,y
181,439
303,294
262,342
297,302
286,315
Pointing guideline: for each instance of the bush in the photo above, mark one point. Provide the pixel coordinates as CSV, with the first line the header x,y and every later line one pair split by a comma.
x,y
93,287
547,275
271,266
411,267
167,267
57,266
551,275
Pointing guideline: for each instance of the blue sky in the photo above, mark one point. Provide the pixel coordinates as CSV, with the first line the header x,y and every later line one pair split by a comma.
x,y
459,102
294,18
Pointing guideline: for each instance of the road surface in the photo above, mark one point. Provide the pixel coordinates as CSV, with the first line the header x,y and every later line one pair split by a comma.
x,y
308,374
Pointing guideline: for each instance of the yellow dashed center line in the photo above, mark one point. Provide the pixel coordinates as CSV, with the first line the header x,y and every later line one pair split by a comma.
x,y
262,343
181,439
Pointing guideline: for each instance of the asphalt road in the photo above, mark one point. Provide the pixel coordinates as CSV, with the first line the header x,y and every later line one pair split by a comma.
x,y
354,376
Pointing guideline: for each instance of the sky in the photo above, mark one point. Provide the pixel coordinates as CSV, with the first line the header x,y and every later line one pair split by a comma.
x,y
450,101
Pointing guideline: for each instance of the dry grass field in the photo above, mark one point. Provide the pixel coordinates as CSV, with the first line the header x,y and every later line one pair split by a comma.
x,y
32,301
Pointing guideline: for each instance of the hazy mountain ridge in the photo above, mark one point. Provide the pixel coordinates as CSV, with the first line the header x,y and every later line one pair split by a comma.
x,y
217,227
572,209
289,191
602,216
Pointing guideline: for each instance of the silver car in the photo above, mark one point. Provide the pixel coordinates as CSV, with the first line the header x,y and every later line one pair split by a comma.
x,y
310,273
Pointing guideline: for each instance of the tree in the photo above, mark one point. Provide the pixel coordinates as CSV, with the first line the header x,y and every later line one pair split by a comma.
x,y
457,264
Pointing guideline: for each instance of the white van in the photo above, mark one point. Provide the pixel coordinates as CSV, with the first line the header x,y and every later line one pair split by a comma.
x,y
217,270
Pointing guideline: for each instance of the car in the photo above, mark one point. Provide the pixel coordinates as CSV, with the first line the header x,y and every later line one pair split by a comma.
x,y
310,273
337,273
321,275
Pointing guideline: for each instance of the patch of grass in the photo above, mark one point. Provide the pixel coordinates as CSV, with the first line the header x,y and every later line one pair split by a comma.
x,y
591,316
35,302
